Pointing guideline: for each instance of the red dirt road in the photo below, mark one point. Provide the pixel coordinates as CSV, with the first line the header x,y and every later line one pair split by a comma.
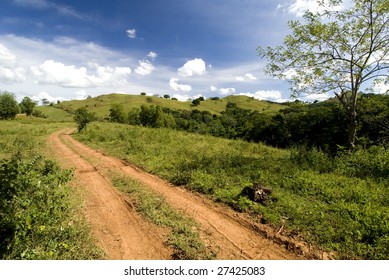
x,y
124,234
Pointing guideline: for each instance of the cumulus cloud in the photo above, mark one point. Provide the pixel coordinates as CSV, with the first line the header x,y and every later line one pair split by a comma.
x,y
250,76
144,68
213,88
174,85
44,95
192,67
247,76
9,69
227,91
273,95
152,55
57,73
131,33
299,7
181,97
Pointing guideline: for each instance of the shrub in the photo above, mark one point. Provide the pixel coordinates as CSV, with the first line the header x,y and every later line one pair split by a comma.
x,y
9,108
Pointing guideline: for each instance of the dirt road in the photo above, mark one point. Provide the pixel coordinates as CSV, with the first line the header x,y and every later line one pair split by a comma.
x,y
123,234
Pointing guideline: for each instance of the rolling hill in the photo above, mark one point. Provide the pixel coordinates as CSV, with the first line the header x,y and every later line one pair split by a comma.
x,y
101,104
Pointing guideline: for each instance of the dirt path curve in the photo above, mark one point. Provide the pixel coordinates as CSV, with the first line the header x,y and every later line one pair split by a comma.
x,y
233,236
118,229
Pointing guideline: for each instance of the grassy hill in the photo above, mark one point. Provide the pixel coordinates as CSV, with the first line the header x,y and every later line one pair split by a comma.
x,y
101,104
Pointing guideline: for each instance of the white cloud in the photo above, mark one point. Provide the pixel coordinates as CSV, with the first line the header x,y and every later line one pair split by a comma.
x,y
131,33
213,88
152,55
299,7
44,95
192,67
227,91
9,69
81,94
181,97
174,85
57,73
250,76
273,95
144,68
7,58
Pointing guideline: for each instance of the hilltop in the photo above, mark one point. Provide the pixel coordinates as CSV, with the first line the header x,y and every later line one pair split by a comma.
x,y
102,104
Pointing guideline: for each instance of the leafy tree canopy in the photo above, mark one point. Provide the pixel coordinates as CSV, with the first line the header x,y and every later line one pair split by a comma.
x,y
335,51
9,107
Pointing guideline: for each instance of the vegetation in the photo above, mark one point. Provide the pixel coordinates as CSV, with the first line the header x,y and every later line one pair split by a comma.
x,y
27,106
82,117
339,204
101,105
39,213
9,108
184,237
335,51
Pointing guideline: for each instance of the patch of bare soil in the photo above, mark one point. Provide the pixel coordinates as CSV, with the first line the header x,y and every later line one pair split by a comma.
x,y
124,235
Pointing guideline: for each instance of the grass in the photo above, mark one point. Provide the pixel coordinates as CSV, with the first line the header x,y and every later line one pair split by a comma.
x,y
184,237
55,114
40,214
101,104
338,208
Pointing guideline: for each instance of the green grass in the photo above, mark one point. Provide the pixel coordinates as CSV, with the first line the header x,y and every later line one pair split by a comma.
x,y
55,114
101,104
26,135
335,208
184,237
40,215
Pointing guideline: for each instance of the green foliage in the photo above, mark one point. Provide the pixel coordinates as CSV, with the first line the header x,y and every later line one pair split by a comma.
x,y
27,106
38,114
337,203
335,51
36,216
82,117
116,113
9,108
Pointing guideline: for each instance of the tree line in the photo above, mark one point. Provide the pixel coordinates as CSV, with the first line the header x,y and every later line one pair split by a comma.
x,y
322,125
9,107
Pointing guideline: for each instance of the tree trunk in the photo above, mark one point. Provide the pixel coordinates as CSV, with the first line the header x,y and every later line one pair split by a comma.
x,y
352,129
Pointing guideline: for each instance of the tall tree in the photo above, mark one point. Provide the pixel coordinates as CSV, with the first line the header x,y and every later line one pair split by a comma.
x,y
9,107
336,51
27,106
82,117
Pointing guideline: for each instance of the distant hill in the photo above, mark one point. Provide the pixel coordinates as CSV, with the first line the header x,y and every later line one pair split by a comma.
x,y
101,104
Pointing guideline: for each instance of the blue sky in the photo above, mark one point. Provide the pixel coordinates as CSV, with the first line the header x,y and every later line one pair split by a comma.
x,y
63,50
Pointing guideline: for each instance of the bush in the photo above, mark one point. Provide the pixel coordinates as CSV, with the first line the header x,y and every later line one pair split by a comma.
x,y
39,114
83,117
9,108
33,206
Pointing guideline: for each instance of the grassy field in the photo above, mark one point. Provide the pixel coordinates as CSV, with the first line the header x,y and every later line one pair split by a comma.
x,y
101,104
40,216
333,203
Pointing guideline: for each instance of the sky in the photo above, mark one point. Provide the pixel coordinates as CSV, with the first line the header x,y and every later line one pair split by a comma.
x,y
62,50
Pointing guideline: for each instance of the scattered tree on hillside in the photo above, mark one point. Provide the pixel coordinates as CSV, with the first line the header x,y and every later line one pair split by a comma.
x,y
27,106
116,113
335,51
9,107
82,117
142,93
195,102
166,96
